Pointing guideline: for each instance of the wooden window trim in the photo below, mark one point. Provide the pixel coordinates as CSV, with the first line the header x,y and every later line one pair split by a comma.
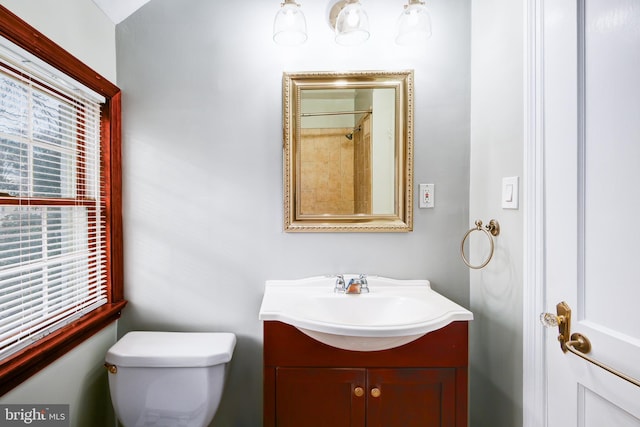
x,y
22,365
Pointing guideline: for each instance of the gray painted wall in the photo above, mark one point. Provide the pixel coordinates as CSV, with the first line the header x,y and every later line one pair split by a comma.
x,y
497,135
79,26
203,168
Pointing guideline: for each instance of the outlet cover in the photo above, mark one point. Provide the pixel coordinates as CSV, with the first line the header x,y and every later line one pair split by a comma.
x,y
427,196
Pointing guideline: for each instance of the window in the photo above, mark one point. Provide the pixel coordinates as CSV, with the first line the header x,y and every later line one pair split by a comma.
x,y
60,213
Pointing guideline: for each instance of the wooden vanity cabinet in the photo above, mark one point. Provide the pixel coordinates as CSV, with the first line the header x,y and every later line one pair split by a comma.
x,y
307,383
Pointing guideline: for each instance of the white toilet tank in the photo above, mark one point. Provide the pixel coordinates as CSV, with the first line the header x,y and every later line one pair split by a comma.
x,y
168,378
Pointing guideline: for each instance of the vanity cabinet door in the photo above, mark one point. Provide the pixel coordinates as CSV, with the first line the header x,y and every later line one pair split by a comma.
x,y
320,397
407,397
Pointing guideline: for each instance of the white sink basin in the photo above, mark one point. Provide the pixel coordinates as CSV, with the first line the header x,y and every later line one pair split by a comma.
x,y
393,313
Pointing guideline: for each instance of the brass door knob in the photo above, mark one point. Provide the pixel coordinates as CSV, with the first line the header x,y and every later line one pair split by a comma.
x,y
375,392
358,391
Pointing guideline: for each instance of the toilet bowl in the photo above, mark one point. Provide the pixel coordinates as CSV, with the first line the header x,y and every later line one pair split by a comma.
x,y
167,379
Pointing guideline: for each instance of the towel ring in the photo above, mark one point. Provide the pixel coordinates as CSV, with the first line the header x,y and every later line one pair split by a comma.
x,y
491,229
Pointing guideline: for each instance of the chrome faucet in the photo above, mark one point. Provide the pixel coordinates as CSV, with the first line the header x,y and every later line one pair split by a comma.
x,y
357,285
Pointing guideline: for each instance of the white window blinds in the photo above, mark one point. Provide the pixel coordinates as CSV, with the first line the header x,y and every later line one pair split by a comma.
x,y
52,226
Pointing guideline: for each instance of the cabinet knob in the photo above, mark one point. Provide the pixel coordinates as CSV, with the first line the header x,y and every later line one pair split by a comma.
x,y
358,391
375,392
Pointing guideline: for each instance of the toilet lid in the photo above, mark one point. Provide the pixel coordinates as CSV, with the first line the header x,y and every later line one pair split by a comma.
x,y
172,349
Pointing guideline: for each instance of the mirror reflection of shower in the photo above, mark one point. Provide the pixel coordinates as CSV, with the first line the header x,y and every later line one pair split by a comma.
x,y
350,135
347,153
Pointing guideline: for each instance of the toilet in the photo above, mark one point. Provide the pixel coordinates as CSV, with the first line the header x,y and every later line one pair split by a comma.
x,y
168,378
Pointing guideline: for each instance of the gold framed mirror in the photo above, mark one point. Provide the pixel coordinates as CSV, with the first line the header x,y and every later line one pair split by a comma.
x,y
348,151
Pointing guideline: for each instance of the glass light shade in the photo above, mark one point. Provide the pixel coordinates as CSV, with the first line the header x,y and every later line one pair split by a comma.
x,y
289,26
414,24
352,25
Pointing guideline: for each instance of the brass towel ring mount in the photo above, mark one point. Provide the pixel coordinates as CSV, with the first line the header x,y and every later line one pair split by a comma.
x,y
490,230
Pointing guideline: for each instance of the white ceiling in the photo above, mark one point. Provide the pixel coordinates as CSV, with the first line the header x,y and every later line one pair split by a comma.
x,y
119,10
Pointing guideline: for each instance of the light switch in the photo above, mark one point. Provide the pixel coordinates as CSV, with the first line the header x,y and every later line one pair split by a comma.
x,y
510,192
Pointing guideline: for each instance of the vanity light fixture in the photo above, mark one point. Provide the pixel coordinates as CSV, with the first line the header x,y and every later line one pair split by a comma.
x,y
414,24
289,25
350,22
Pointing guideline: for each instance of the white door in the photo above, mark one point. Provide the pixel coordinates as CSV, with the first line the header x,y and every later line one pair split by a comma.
x,y
591,104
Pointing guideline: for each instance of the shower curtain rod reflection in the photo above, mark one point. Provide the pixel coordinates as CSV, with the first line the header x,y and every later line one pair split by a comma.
x,y
336,113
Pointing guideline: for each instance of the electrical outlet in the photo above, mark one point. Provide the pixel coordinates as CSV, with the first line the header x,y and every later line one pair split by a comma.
x,y
427,195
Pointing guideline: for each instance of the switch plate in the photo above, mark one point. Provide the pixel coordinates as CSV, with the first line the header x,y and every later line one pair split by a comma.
x,y
510,192
427,195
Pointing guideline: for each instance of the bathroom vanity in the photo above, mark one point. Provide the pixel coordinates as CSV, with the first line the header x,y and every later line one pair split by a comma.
x,y
395,355
308,383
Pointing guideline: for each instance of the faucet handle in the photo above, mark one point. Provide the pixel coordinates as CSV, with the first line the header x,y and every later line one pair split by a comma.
x,y
364,285
339,286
